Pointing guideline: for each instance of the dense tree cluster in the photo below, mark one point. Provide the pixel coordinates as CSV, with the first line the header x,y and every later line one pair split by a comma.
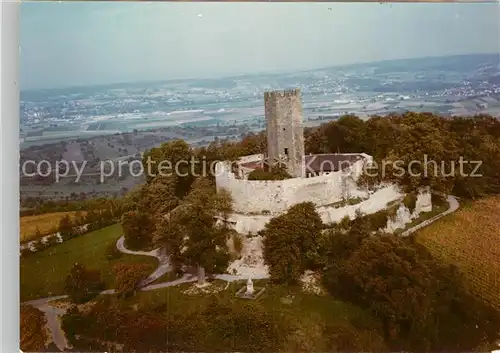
x,y
218,326
420,304
430,146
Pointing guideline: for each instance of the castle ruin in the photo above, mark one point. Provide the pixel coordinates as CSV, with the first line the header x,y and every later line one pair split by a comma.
x,y
327,180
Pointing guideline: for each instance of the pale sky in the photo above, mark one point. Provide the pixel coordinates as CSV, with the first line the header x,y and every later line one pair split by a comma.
x,y
76,43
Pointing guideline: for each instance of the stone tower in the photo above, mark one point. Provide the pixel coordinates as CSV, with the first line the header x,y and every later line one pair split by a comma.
x,y
285,130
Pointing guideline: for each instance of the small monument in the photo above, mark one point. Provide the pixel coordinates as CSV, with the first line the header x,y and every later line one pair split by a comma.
x,y
249,286
248,291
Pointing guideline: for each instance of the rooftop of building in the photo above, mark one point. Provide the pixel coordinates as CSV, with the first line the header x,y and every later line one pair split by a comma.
x,y
317,163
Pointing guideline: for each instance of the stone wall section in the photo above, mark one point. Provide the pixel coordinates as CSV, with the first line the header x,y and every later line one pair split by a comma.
x,y
276,196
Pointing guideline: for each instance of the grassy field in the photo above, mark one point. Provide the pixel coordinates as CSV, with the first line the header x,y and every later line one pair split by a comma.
x,y
303,305
313,319
47,224
43,273
469,239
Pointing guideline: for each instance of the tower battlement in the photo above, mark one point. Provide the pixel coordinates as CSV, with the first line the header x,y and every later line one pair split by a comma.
x,y
281,94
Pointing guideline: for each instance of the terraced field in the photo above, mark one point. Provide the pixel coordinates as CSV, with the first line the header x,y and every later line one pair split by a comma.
x,y
470,239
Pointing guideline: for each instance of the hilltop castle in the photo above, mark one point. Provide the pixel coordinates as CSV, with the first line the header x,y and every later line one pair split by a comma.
x,y
327,180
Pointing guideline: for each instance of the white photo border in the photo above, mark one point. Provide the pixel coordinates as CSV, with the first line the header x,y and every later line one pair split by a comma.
x,y
9,179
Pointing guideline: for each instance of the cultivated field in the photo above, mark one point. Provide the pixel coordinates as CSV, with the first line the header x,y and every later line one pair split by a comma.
x,y
43,273
470,239
47,224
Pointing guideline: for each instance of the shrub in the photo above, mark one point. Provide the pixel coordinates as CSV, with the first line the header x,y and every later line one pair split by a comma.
x,y
129,277
38,246
277,173
258,174
51,241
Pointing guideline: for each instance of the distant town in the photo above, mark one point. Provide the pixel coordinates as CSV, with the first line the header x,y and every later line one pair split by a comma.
x,y
120,122
227,107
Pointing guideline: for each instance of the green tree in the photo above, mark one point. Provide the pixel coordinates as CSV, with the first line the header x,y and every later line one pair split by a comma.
x,y
138,228
159,196
293,242
132,199
191,233
174,159
82,284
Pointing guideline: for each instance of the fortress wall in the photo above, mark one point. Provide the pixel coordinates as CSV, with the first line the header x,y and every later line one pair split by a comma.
x,y
245,224
377,201
276,196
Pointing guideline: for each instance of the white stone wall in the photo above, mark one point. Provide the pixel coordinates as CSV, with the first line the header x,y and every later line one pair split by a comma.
x,y
245,224
378,201
276,196
401,219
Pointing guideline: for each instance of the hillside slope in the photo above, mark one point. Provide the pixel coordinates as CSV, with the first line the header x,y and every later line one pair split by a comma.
x,y
470,240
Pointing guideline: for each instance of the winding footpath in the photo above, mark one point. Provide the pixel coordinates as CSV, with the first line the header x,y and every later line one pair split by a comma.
x,y
53,314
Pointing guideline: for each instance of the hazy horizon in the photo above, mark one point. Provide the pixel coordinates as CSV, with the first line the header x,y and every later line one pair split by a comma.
x,y
83,44
249,74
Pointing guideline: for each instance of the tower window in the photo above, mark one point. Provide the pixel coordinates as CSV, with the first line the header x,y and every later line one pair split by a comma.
x,y
286,151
